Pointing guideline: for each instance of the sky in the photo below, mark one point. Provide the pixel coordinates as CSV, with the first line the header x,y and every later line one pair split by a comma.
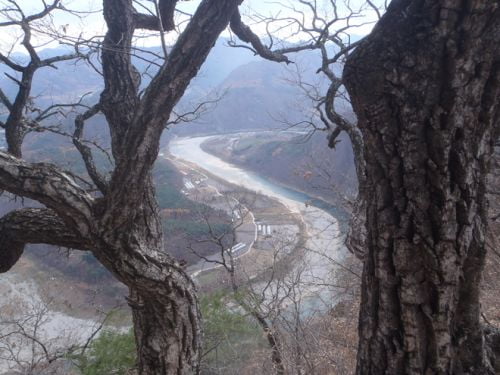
x,y
91,23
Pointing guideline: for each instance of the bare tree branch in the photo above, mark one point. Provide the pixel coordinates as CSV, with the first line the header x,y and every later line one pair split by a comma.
x,y
247,35
50,186
85,151
32,226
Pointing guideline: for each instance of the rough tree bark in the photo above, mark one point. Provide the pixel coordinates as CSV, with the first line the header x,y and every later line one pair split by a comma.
x,y
122,228
425,86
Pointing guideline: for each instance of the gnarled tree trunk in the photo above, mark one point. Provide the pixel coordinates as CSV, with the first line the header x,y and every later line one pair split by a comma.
x,y
122,227
425,88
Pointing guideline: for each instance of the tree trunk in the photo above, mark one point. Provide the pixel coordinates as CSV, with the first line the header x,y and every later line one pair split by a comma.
x,y
425,88
15,129
162,295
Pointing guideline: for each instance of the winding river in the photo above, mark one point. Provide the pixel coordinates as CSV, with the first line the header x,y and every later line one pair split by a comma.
x,y
323,234
316,269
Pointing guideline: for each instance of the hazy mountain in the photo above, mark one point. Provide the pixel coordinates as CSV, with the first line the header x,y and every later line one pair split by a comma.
x,y
252,93
255,95
70,79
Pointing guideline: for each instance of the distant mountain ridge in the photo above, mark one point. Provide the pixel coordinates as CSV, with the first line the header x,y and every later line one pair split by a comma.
x,y
256,95
73,78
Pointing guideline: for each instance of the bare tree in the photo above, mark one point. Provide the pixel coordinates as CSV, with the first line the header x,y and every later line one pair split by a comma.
x,y
23,116
226,259
290,292
30,344
120,225
428,116
425,88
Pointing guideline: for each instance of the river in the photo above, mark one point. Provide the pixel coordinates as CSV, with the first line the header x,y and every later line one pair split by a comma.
x,y
324,240
189,149
316,268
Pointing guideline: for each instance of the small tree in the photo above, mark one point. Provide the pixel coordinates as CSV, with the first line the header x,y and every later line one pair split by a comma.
x,y
285,283
30,344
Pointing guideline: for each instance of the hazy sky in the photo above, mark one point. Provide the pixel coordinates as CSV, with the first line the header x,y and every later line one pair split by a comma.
x,y
93,24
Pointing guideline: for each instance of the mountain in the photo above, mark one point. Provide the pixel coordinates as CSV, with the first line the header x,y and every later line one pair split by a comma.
x,y
253,94
256,95
68,80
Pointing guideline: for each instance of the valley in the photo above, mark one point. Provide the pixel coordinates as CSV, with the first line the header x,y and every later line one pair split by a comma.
x,y
270,225
230,215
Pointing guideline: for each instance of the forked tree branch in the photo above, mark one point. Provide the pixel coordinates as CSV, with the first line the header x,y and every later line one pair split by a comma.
x,y
44,12
246,34
144,119
85,151
323,35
